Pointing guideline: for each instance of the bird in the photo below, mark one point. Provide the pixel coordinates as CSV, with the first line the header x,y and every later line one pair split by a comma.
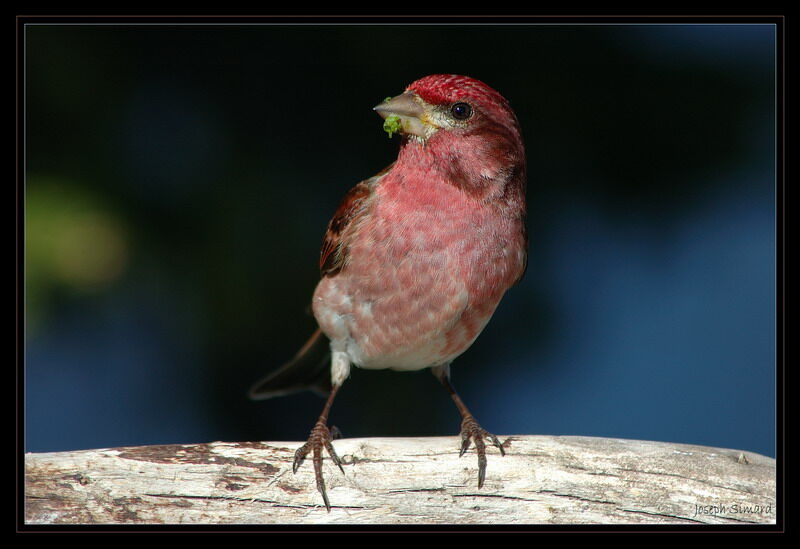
x,y
416,258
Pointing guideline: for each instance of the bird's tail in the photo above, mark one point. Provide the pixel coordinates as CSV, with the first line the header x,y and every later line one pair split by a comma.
x,y
309,369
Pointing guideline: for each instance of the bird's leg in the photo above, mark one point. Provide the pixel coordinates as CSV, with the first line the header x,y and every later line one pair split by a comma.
x,y
321,436
470,429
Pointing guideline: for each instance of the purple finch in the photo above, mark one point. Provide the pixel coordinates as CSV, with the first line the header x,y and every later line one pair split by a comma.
x,y
417,257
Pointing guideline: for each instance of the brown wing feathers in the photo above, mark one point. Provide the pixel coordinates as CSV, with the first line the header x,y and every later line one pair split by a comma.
x,y
353,206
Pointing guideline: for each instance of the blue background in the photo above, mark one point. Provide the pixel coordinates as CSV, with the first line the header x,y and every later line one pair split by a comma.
x,y
179,180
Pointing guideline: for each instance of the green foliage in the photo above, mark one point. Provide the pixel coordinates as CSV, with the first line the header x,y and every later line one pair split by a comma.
x,y
392,125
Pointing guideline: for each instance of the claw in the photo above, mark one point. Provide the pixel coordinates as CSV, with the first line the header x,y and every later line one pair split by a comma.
x,y
465,440
333,455
471,430
496,443
299,457
320,437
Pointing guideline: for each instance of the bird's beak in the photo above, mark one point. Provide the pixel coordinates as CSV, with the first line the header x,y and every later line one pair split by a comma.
x,y
410,110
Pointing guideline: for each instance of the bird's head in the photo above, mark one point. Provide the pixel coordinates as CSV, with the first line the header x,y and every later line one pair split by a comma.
x,y
450,103
468,127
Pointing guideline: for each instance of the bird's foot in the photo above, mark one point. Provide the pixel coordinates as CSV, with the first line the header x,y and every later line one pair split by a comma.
x,y
320,437
472,431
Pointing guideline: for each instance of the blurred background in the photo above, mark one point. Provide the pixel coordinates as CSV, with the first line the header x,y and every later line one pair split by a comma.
x,y
179,180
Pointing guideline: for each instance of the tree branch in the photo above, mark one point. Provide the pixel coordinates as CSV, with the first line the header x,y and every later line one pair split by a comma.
x,y
541,480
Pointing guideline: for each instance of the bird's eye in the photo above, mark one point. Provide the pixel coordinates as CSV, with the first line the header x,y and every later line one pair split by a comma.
x,y
461,111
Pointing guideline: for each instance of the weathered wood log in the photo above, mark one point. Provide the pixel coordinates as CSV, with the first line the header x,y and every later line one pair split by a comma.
x,y
541,480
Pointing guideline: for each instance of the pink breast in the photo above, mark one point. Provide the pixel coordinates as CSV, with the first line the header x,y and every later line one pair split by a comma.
x,y
420,283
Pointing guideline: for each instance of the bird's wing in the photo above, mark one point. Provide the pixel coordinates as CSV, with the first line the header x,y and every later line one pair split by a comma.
x,y
352,209
309,369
